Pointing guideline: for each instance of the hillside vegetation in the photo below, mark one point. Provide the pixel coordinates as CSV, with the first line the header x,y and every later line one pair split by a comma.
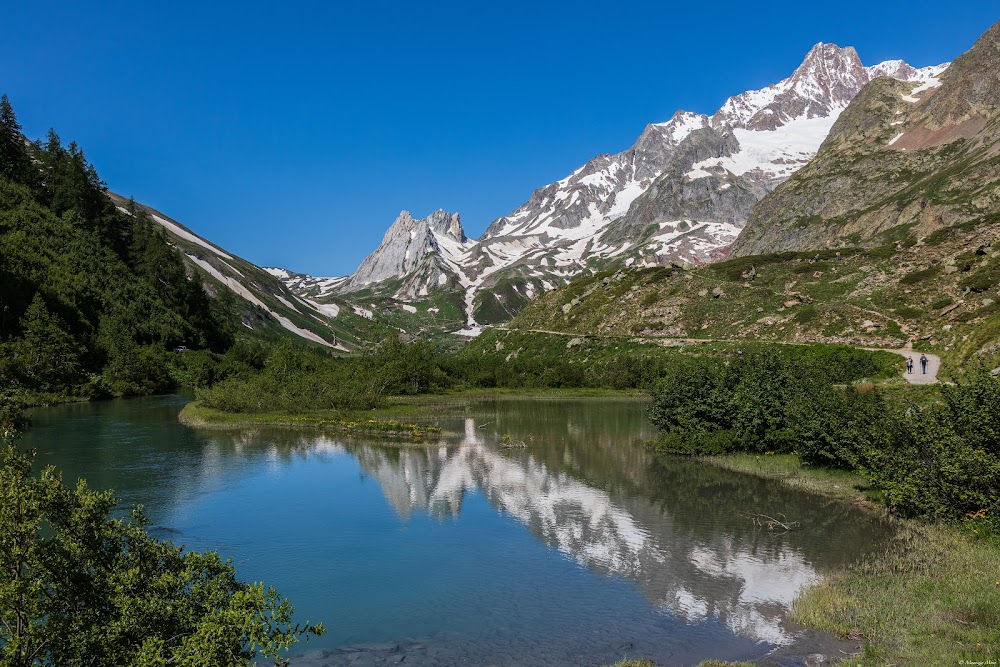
x,y
943,290
92,300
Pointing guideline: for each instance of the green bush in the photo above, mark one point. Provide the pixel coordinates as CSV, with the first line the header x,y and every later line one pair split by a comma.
x,y
79,587
909,312
919,276
985,278
297,380
834,426
806,313
771,399
944,460
700,444
692,397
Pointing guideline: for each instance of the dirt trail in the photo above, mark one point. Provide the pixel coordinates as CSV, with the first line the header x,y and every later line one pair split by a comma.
x,y
918,376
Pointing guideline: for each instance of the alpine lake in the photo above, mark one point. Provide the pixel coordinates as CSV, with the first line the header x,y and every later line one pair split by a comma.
x,y
579,548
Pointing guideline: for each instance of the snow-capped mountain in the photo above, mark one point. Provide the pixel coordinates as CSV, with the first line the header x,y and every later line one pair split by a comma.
x,y
680,194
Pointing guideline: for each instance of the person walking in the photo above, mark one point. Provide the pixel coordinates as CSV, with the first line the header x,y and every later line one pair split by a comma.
x,y
923,363
909,364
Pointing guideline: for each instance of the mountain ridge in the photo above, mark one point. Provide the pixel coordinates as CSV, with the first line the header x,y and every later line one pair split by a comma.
x,y
679,194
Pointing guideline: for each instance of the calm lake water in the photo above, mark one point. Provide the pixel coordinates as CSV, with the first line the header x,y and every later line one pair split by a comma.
x,y
579,549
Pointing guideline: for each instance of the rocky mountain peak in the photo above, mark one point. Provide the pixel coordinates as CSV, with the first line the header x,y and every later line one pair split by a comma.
x,y
681,192
446,224
828,78
830,72
403,223
410,245
904,160
897,69
440,222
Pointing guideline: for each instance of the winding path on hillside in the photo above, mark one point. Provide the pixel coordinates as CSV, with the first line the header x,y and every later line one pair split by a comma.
x,y
916,377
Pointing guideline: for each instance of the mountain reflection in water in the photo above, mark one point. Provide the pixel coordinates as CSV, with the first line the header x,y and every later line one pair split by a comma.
x,y
743,577
578,549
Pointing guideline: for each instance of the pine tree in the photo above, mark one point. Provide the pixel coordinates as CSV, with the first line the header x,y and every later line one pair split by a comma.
x,y
47,356
14,162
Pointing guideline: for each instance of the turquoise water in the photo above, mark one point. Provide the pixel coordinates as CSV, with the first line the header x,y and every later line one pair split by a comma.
x,y
579,549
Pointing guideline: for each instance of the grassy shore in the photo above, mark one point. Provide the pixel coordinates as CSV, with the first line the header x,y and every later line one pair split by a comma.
x,y
406,416
196,414
932,597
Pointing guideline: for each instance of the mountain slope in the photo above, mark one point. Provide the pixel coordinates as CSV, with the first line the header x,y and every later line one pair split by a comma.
x,y
92,301
889,235
680,194
263,303
901,162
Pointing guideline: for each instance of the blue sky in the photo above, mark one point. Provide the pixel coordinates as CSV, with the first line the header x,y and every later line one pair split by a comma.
x,y
293,133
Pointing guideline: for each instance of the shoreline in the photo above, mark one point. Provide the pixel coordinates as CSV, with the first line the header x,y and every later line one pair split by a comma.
x,y
416,408
196,415
931,597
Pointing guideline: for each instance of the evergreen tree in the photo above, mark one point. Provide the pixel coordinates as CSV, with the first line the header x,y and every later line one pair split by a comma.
x,y
14,162
118,296
47,357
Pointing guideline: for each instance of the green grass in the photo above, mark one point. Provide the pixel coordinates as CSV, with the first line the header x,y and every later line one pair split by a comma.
x,y
787,469
196,414
932,598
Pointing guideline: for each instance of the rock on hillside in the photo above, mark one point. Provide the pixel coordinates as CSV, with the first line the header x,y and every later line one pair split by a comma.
x,y
903,161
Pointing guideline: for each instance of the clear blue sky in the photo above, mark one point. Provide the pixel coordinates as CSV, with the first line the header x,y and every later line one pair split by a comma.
x,y
293,133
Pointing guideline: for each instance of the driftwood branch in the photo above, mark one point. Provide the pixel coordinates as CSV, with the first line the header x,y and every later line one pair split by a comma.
x,y
506,442
771,523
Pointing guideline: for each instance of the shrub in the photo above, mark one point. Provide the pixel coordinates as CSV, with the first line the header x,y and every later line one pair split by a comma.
x,y
295,380
806,313
909,312
78,587
985,278
703,444
775,399
832,426
691,397
943,461
919,276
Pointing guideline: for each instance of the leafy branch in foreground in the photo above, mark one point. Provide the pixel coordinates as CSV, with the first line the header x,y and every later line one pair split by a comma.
x,y
78,587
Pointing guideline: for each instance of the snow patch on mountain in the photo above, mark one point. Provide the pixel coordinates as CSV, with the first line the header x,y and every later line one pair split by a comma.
x,y
188,236
240,289
605,209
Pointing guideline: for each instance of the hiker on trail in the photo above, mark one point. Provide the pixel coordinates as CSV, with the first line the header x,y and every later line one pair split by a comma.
x,y
909,364
923,363
838,255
